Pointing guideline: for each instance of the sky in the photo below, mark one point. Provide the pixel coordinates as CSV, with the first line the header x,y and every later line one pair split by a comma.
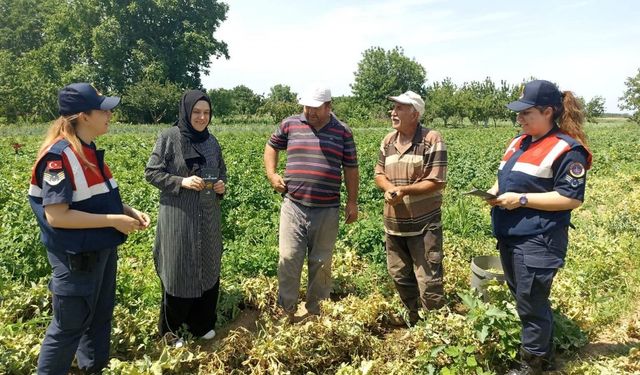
x,y
589,47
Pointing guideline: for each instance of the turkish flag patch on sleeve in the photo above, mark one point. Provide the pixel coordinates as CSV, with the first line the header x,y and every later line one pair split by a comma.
x,y
54,164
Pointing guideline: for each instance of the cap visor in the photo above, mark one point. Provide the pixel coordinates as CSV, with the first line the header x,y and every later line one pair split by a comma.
x,y
518,106
399,99
109,102
310,103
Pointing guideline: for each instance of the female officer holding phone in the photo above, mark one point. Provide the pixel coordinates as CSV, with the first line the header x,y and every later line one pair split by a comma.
x,y
187,166
541,178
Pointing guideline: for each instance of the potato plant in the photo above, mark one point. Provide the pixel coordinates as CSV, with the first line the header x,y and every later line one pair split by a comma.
x,y
592,295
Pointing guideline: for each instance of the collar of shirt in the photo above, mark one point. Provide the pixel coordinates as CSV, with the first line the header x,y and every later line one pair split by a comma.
x,y
417,135
332,119
417,138
528,140
90,145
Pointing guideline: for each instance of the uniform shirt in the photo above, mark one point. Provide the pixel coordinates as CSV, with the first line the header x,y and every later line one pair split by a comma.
x,y
313,173
555,162
60,177
425,159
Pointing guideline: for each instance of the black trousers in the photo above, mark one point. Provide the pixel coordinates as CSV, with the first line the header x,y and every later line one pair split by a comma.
x,y
197,314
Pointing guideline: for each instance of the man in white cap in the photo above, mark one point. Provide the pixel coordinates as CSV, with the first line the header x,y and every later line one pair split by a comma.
x,y
319,147
411,170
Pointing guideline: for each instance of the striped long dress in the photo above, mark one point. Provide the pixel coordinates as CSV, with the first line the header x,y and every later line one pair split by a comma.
x,y
188,245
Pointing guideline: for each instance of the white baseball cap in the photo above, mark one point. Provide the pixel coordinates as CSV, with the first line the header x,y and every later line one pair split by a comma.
x,y
315,97
412,98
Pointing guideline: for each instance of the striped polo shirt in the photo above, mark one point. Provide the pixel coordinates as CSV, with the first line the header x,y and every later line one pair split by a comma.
x,y
425,159
315,159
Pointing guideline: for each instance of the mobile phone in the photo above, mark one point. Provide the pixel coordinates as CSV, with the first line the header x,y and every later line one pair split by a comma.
x,y
210,177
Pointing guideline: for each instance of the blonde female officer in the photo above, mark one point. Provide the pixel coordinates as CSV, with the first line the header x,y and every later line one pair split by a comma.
x,y
82,220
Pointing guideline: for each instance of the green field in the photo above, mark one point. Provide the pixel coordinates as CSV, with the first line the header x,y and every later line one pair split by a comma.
x,y
595,295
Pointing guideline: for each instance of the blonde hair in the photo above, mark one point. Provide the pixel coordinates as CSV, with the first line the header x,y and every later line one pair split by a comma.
x,y
570,117
64,127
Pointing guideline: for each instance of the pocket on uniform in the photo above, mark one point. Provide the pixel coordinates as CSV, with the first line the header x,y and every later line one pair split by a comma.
x,y
72,283
72,291
71,312
538,255
557,242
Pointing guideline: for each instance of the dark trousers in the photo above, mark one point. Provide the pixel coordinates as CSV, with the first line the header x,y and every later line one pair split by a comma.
x,y
197,314
415,265
83,302
530,264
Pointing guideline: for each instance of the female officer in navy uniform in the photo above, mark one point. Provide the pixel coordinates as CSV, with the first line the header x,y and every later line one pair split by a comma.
x,y
82,220
541,178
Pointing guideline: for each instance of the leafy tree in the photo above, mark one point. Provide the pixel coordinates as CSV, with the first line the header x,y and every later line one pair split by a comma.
x,y
279,110
244,101
280,103
593,109
46,44
348,109
21,22
443,101
480,101
150,101
221,102
382,73
631,98
507,94
282,93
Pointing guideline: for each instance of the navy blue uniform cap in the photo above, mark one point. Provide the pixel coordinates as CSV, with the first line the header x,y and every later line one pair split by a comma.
x,y
82,97
537,93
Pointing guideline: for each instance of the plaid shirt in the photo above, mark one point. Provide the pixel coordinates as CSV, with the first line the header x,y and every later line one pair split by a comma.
x,y
425,159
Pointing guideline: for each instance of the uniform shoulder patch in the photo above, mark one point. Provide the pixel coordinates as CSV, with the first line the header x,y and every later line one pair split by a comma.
x,y
576,169
54,164
53,178
53,173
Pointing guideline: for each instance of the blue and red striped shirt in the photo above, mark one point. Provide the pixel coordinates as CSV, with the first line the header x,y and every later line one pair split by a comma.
x,y
315,158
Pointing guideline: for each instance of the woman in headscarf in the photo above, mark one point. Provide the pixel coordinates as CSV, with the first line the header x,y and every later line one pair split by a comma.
x,y
187,166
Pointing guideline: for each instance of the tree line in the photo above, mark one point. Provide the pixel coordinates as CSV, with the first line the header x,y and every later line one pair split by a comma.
x,y
150,51
389,72
143,50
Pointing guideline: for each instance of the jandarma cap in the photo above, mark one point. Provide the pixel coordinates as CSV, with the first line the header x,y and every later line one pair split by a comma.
x,y
82,97
537,93
412,98
315,97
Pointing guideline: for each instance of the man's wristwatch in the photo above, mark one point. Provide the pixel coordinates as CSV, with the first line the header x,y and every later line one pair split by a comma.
x,y
523,200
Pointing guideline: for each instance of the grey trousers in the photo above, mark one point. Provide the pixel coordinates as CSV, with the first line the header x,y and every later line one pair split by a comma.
x,y
415,265
305,232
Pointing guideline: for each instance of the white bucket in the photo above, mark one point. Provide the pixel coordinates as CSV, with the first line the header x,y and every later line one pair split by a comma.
x,y
483,269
